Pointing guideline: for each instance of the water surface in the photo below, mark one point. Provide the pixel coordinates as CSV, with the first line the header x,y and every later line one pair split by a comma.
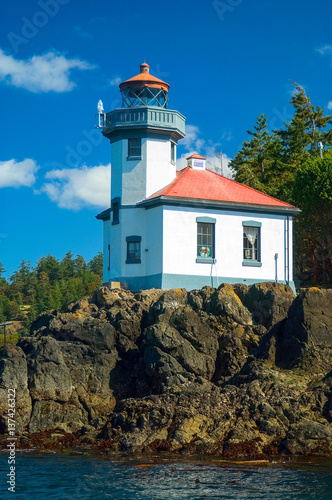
x,y
66,477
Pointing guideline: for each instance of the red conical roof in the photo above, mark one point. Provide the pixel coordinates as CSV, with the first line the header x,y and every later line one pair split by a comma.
x,y
144,79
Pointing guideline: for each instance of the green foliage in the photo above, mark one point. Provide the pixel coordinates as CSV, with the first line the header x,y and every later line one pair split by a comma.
x,y
52,284
313,236
95,265
286,164
11,338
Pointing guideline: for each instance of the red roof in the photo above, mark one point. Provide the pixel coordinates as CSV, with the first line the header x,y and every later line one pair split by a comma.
x,y
195,155
208,185
144,79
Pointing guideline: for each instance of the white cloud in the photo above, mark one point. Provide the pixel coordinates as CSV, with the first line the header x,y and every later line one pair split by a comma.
x,y
193,143
16,174
329,105
79,187
192,139
47,73
326,50
116,81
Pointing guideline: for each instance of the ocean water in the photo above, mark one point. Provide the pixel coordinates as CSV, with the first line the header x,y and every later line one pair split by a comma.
x,y
67,477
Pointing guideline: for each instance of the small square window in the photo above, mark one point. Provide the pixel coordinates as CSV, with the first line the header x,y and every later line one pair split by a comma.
x,y
251,243
134,148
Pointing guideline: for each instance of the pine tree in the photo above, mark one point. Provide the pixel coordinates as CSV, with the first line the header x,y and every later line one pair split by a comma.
x,y
252,161
95,265
67,266
57,296
80,266
307,128
51,266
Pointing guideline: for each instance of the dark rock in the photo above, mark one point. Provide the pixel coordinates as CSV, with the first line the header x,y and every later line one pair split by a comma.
x,y
267,302
14,386
236,371
225,302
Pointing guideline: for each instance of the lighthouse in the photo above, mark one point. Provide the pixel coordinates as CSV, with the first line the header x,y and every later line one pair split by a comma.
x,y
144,136
181,229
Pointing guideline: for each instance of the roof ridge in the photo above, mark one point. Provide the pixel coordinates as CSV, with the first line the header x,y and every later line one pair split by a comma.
x,y
249,187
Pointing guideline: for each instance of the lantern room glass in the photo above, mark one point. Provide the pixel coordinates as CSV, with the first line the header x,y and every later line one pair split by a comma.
x,y
144,96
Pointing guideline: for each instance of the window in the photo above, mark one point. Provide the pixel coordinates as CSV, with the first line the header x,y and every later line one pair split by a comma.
x,y
205,239
115,206
134,149
172,152
251,243
133,249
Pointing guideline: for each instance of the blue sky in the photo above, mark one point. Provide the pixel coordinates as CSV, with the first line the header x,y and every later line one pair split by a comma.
x,y
227,61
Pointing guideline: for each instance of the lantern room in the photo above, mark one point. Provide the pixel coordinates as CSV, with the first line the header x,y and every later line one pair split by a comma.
x,y
144,90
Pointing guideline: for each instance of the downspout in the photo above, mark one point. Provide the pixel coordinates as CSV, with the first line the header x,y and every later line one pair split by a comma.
x,y
276,267
287,255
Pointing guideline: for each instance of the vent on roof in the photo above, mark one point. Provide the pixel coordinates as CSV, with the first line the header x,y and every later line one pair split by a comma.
x,y
196,162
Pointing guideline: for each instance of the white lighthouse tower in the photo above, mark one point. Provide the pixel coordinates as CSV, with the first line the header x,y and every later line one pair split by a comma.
x,y
144,135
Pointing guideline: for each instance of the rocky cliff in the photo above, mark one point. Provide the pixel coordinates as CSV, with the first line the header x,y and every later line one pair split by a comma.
x,y
235,371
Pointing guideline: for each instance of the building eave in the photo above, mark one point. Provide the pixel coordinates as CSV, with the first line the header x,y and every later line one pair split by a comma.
x,y
217,204
105,215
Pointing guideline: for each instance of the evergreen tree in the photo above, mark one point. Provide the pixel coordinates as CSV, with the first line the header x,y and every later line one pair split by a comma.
x,y
33,312
24,280
95,265
3,281
57,296
67,266
307,128
80,266
50,285
252,161
51,266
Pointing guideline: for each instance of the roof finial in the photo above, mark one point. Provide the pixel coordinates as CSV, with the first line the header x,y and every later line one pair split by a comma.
x,y
144,67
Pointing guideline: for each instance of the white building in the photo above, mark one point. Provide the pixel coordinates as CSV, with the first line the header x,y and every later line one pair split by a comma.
x,y
168,229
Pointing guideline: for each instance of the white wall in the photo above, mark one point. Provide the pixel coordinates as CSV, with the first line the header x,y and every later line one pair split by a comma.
x,y
106,241
160,171
180,244
140,222
135,180
154,240
128,176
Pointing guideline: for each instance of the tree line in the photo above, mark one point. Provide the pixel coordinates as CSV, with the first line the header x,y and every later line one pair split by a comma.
x,y
294,164
51,284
